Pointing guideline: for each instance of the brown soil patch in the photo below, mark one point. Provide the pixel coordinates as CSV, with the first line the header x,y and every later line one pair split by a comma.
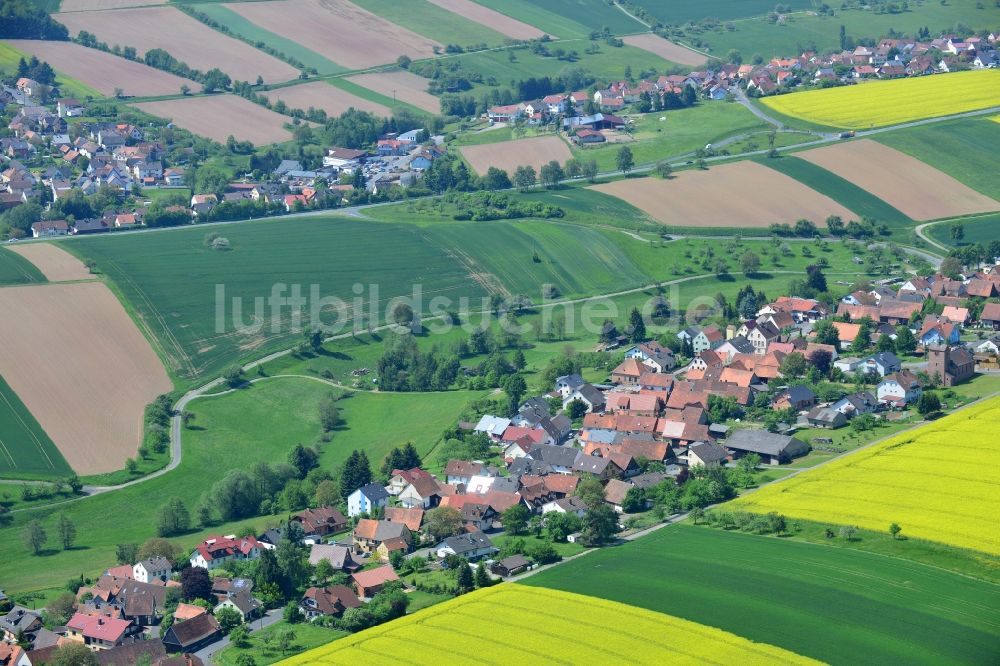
x,y
338,30
181,36
408,88
218,116
82,368
494,20
509,155
104,71
915,188
322,95
90,5
739,194
666,49
55,263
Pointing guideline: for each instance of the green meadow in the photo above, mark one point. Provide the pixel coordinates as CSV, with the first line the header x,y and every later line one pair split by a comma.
x,y
15,269
982,229
678,12
427,19
26,452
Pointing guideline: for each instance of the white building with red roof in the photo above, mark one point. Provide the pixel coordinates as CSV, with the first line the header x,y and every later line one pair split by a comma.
x,y
97,631
215,551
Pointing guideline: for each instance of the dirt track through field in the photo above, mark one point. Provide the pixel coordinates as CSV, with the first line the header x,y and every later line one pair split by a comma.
x,y
181,36
322,95
915,188
338,30
102,71
739,194
407,87
82,368
218,116
55,263
492,19
666,49
509,155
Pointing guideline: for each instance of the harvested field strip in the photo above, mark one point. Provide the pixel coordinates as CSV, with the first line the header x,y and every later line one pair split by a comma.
x,y
55,263
362,39
548,624
490,18
15,269
218,116
401,85
181,36
25,450
511,154
838,603
851,489
882,103
593,14
105,72
435,22
917,189
92,403
839,189
322,95
92,5
754,197
10,56
666,49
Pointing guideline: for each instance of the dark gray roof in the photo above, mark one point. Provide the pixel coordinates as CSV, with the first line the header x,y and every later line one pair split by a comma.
x,y
557,456
768,443
466,543
19,619
374,492
708,453
592,464
800,393
649,479
526,465
591,394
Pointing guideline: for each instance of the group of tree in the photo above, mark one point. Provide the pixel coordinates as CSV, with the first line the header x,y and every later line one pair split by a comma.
x,y
22,19
35,535
403,367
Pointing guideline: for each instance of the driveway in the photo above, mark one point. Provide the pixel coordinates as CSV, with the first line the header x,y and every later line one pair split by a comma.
x,y
206,653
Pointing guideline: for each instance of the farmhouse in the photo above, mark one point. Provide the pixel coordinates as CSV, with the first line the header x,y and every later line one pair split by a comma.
x,y
473,546
370,582
50,228
98,632
191,635
772,448
214,551
329,601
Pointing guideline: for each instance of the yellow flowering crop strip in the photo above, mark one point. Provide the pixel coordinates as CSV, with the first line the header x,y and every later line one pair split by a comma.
x,y
882,103
514,624
939,482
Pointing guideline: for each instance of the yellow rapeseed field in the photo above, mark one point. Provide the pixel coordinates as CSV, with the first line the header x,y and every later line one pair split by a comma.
x,y
514,624
939,482
881,103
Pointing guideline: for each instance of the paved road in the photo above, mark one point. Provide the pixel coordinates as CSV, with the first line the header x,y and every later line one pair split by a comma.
x,y
206,653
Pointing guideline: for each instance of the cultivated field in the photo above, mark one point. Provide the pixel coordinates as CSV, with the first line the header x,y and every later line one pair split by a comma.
x,y
666,49
740,194
917,189
679,12
104,71
55,263
512,154
80,365
25,450
881,103
833,603
182,37
14,269
483,15
533,625
218,116
338,30
891,482
322,95
90,5
406,87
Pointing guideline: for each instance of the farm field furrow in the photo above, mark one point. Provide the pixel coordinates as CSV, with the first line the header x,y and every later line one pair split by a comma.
x,y
104,72
551,623
219,116
25,449
666,49
438,20
490,18
362,38
402,86
322,95
15,269
509,155
913,187
882,103
550,21
181,36
91,404
833,603
754,197
849,490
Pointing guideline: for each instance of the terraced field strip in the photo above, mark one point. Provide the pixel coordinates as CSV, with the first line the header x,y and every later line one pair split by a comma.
x,y
15,269
838,605
666,49
55,263
402,86
219,116
535,626
322,95
894,482
521,152
490,18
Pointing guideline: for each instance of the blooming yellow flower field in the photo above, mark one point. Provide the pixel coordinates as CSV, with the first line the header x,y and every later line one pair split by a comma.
x,y
939,482
881,103
513,624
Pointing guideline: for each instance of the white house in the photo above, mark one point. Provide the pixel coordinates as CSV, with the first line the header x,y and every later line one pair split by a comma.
x,y
366,499
899,388
215,551
493,426
472,546
565,505
568,384
423,493
152,570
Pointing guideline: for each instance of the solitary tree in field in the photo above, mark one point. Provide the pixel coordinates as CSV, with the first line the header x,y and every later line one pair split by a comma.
x,y
749,263
67,532
894,530
35,537
625,160
848,532
957,231
589,170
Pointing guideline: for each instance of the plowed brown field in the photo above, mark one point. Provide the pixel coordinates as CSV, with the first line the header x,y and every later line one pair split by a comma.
x,y
522,152
322,95
666,49
407,87
490,18
55,263
218,116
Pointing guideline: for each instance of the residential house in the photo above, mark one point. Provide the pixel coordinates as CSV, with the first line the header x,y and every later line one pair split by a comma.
x,y
202,203
706,454
794,397
628,372
152,570
243,603
759,334
19,620
424,492
653,355
321,521
938,332
602,468
366,499
773,449
826,417
339,557
461,471
951,365
390,546
412,518
191,635
856,404
329,601
493,426
510,566
214,551
46,229
990,317
572,505
187,611
98,632
708,338
370,582
472,546
369,534
561,459
882,364
590,396
899,389
403,477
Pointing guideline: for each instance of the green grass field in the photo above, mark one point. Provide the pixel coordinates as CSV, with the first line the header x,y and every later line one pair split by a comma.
x,y
255,33
307,636
26,452
69,87
594,14
678,12
15,269
828,603
261,423
979,230
837,188
802,31
961,148
433,22
534,13
371,95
